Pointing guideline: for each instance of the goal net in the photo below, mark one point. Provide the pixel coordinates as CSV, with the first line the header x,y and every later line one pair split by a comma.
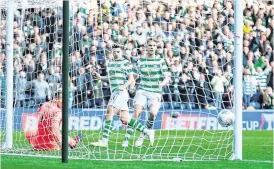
x,y
195,39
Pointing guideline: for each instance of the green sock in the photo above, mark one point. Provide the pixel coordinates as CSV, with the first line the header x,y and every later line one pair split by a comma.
x,y
128,133
136,125
133,125
149,123
107,129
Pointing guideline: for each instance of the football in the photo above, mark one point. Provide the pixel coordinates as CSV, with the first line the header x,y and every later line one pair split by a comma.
x,y
225,118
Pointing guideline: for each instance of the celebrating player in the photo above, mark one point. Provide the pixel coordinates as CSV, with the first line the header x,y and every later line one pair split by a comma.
x,y
120,76
48,136
153,73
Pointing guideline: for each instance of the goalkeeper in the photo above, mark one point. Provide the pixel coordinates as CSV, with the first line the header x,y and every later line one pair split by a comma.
x,y
154,75
47,136
120,76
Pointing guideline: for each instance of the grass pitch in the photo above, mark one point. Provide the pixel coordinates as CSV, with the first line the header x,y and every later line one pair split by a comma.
x,y
206,146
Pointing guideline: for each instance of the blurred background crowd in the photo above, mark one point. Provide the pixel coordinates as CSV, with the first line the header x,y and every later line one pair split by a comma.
x,y
195,38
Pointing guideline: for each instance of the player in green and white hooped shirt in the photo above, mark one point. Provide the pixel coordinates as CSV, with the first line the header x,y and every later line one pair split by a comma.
x,y
120,76
153,73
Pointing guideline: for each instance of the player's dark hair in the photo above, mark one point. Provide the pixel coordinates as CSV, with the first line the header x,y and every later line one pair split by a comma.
x,y
115,46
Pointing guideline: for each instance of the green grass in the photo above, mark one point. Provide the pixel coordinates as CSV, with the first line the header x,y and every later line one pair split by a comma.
x,y
189,145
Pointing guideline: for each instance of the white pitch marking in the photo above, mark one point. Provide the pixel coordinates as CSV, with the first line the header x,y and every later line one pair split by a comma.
x,y
258,161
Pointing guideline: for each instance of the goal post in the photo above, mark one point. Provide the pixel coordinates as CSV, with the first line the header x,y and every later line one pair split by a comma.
x,y
182,131
65,87
238,56
9,77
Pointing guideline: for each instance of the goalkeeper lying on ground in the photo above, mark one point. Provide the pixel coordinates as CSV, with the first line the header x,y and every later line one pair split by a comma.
x,y
47,136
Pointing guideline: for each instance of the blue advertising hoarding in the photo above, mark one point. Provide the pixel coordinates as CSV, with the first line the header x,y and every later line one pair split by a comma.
x,y
92,119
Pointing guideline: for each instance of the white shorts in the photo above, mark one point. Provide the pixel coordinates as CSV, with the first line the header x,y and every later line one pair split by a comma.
x,y
144,98
119,99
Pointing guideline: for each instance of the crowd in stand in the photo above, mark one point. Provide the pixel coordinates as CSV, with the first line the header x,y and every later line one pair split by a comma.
x,y
195,38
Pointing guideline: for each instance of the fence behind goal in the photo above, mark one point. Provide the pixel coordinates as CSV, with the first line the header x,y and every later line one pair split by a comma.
x,y
195,40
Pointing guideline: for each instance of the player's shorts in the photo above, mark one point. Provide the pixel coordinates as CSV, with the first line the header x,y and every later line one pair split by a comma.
x,y
119,100
144,98
43,142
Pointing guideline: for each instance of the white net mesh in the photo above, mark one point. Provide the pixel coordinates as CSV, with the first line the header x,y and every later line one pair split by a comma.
x,y
2,78
19,4
195,39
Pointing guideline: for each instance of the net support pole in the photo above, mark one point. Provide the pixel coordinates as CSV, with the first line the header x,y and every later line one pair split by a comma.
x,y
9,76
238,77
65,71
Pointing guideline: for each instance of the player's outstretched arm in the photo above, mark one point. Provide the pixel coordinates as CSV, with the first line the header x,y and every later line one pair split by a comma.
x,y
98,76
129,82
58,136
104,78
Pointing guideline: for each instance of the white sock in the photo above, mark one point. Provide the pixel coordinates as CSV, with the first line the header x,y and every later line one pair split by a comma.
x,y
145,131
104,141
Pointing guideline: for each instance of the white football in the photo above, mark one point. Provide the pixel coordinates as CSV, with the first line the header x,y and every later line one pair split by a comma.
x,y
225,118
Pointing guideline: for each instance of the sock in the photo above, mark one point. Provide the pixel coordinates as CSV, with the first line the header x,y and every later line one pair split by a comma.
x,y
128,133
78,138
136,125
107,129
149,123
133,125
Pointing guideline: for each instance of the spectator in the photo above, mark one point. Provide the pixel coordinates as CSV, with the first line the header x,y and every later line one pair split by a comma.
x,y
54,81
228,97
270,76
261,76
249,87
268,97
97,93
40,90
186,88
218,83
42,64
81,82
29,67
20,88
140,37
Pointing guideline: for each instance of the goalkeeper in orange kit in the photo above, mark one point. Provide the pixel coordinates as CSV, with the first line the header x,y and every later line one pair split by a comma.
x,y
47,136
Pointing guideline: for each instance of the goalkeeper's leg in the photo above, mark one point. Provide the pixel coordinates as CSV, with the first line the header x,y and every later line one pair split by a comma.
x,y
48,142
41,142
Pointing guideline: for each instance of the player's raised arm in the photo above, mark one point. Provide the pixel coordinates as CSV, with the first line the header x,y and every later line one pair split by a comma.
x,y
128,83
129,72
97,75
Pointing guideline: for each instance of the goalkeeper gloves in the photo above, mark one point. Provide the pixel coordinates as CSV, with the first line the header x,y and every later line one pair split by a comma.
x,y
77,139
